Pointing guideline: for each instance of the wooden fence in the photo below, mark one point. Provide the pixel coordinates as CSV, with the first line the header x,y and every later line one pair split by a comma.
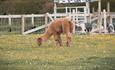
x,y
20,23
25,24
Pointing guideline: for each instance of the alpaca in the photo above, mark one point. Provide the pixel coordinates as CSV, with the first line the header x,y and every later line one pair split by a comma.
x,y
56,28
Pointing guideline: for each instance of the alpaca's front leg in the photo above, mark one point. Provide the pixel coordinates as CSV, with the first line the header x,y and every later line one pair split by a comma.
x,y
58,40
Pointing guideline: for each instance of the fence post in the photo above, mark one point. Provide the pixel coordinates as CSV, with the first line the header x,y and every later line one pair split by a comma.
x,y
46,21
74,19
99,17
88,7
108,7
9,21
105,20
66,10
100,21
23,24
32,20
55,10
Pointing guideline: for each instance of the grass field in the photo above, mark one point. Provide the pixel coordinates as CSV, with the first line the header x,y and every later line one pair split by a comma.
x,y
89,52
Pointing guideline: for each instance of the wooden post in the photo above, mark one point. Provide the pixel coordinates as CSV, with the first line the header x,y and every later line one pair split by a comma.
x,y
88,7
105,20
46,21
108,7
74,19
9,21
23,24
55,10
66,9
99,16
108,12
87,18
32,20
99,6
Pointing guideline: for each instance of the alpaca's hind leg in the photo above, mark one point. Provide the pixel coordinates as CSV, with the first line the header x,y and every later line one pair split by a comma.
x,y
68,36
58,40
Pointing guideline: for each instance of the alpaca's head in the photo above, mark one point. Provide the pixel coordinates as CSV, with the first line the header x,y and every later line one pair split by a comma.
x,y
39,41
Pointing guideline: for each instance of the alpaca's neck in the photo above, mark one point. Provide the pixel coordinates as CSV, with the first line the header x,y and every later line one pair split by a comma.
x,y
46,35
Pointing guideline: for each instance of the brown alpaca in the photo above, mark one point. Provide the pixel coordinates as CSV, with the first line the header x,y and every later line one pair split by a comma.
x,y
56,28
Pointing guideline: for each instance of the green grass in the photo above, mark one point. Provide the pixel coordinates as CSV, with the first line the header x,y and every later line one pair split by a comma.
x,y
89,52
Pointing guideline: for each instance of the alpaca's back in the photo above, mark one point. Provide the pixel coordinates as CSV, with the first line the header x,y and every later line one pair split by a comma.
x,y
61,25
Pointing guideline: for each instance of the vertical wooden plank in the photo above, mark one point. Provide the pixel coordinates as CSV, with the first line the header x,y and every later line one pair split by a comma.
x,y
55,10
69,10
99,15
108,7
23,24
87,18
74,19
66,9
88,7
74,27
46,21
99,6
105,21
9,22
32,19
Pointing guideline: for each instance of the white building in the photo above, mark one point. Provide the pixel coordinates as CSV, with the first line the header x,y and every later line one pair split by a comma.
x,y
72,1
63,1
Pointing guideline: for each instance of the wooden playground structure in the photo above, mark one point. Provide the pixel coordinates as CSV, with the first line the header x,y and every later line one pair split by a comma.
x,y
100,21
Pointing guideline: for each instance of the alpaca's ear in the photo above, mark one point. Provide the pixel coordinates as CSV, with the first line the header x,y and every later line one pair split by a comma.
x,y
39,41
